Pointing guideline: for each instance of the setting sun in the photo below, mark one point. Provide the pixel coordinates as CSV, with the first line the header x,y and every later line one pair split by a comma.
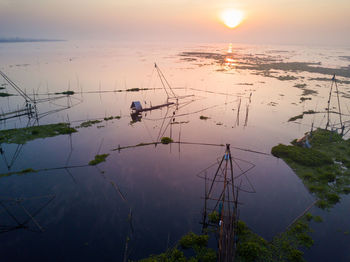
x,y
232,17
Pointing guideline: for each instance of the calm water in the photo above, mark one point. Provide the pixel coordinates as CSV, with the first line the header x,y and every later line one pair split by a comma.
x,y
89,216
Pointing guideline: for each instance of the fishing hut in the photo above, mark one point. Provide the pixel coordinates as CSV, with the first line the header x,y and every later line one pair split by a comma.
x,y
136,106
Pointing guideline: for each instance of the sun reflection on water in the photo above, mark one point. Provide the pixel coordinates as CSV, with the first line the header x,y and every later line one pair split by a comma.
x,y
229,58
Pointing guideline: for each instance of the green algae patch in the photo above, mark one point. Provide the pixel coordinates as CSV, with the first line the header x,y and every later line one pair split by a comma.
x,y
23,135
98,159
323,168
166,140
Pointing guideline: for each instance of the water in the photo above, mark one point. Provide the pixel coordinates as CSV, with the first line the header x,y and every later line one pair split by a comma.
x,y
88,217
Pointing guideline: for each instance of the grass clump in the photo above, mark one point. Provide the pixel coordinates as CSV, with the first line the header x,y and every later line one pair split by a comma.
x,y
98,159
23,135
166,140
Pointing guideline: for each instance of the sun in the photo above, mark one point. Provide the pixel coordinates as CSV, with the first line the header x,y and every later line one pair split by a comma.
x,y
232,17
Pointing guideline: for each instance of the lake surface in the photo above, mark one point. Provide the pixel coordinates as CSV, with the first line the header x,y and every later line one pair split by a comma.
x,y
151,194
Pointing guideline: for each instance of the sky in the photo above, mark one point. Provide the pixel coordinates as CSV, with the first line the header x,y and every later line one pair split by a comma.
x,y
309,22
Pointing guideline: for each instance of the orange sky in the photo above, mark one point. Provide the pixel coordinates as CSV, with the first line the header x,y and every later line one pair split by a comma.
x,y
321,22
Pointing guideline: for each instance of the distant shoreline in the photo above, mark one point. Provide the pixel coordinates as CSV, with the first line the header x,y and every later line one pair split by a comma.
x,y
27,40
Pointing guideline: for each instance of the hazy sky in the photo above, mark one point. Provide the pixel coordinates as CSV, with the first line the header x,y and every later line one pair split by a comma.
x,y
322,22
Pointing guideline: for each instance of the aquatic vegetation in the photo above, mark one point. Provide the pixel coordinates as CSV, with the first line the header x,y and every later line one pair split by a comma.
x,y
301,155
296,117
96,121
204,117
264,64
196,244
245,84
322,168
272,104
302,99
250,246
23,171
89,123
325,79
283,247
179,122
111,118
166,140
5,94
69,93
309,112
214,217
286,78
23,135
300,85
98,159
307,92
136,89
